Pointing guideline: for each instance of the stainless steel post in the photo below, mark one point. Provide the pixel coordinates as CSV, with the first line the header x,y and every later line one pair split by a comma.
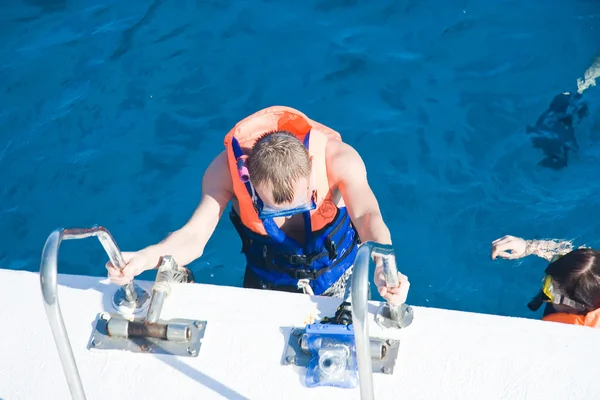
x,y
158,296
48,277
359,295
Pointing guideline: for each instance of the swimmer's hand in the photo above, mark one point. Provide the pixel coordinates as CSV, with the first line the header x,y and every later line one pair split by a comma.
x,y
136,263
509,247
395,296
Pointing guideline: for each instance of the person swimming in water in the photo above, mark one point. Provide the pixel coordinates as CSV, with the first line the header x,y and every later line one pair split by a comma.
x,y
571,285
554,131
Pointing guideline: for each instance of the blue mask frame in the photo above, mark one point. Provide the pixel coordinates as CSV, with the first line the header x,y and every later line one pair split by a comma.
x,y
265,212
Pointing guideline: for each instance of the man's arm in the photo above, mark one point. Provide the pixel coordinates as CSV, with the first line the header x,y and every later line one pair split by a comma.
x,y
187,243
347,169
549,250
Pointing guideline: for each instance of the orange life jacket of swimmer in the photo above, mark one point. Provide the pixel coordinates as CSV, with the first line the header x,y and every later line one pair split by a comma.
x,y
331,240
591,319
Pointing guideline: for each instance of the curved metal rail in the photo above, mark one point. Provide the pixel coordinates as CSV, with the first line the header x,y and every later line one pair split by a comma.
x,y
360,296
133,295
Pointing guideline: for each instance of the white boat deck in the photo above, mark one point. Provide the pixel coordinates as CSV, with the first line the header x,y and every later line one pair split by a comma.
x,y
443,354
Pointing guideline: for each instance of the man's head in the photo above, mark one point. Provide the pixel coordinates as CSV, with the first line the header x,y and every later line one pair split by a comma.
x,y
280,170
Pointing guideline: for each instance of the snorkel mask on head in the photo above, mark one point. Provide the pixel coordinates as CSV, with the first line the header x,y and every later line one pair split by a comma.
x,y
550,294
265,212
307,203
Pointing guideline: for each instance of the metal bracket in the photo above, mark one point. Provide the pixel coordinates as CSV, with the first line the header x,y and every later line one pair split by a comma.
x,y
102,340
125,306
397,317
384,352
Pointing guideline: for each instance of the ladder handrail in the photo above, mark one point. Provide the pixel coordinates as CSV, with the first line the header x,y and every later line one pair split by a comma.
x,y
48,282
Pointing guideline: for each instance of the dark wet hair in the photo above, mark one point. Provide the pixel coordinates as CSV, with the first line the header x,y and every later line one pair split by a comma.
x,y
577,275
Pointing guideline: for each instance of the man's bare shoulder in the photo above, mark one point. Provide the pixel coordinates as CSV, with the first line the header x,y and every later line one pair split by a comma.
x,y
341,159
337,149
217,177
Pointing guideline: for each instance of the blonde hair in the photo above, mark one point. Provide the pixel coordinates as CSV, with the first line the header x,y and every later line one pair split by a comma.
x,y
278,159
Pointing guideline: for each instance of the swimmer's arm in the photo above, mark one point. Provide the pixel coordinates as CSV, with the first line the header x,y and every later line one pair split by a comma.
x,y
589,77
549,250
347,170
187,243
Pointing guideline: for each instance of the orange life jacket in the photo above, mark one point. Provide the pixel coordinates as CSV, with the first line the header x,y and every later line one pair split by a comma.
x,y
591,319
332,241
248,130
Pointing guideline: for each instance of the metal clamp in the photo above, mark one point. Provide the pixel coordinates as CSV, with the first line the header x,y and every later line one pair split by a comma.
x,y
178,337
181,337
383,352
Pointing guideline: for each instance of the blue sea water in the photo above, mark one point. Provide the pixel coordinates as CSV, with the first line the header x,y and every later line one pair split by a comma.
x,y
111,110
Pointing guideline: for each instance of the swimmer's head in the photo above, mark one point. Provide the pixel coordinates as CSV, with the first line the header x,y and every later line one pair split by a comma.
x,y
569,103
577,276
280,169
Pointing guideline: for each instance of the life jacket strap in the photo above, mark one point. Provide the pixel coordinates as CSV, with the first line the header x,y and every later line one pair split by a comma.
x,y
270,259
